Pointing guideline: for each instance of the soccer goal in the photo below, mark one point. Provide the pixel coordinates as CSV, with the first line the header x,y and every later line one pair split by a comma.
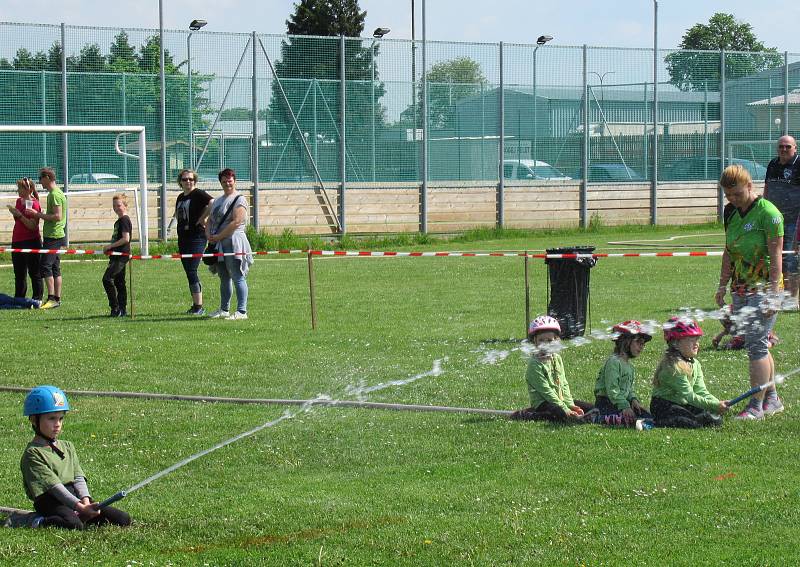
x,y
88,192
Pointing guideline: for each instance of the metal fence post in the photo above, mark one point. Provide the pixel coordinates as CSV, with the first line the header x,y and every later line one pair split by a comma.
x,y
423,195
343,128
584,191
254,141
501,146
64,136
43,87
162,208
722,105
654,181
785,93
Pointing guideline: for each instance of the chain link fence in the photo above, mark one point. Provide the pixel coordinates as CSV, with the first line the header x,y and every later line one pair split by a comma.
x,y
344,110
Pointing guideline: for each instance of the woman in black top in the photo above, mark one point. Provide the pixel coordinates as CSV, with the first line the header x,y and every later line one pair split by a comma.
x,y
191,211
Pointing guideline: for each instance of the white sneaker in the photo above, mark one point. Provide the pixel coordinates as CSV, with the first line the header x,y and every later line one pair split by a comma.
x,y
237,316
219,314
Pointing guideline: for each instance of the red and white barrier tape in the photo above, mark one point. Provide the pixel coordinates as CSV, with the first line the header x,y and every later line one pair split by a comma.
x,y
370,253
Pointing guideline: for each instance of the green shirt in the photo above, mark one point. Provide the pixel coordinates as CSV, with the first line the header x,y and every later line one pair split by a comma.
x,y
547,382
42,469
615,381
746,237
676,386
55,229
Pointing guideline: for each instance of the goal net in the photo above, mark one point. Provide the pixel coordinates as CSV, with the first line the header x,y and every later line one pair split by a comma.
x,y
102,161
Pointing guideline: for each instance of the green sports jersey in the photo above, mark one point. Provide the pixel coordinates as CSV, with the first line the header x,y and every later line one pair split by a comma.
x,y
746,236
55,229
42,469
615,381
547,382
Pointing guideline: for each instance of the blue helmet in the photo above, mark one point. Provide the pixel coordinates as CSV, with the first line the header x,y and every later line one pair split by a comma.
x,y
45,399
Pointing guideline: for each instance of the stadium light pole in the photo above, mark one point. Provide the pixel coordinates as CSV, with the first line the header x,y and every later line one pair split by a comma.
x,y
194,26
540,41
377,34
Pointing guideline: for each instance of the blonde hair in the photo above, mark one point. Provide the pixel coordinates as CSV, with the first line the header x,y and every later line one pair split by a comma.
x,y
672,360
734,176
28,184
121,197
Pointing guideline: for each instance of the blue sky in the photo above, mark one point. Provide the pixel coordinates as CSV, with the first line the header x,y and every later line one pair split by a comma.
x,y
623,23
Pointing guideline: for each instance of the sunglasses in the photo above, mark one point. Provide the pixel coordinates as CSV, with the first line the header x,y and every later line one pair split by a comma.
x,y
188,179
785,146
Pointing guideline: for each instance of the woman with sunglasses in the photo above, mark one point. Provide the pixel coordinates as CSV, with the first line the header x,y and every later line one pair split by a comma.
x,y
26,235
191,211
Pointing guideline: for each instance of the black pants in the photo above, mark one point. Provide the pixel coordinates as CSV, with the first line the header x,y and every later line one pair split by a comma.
x,y
192,245
50,264
611,415
114,282
27,265
58,515
548,412
670,414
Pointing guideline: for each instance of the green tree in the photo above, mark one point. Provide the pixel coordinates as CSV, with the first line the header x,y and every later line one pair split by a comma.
x,y
122,55
309,69
449,82
694,70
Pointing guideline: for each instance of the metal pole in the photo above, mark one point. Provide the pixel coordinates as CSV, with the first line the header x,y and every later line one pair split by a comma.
x,y
189,96
501,146
343,135
535,117
162,207
144,237
414,74
372,51
720,195
527,294
769,106
705,129
130,280
43,87
785,93
64,136
584,221
654,183
644,131
423,197
254,142
125,122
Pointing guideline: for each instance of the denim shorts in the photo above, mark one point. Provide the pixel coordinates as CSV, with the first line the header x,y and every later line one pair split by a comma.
x,y
789,260
751,322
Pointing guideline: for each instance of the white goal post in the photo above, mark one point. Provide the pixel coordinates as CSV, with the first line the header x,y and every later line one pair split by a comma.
x,y
120,130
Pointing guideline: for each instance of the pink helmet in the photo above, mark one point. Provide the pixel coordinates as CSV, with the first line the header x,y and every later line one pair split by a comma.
x,y
633,328
678,328
543,323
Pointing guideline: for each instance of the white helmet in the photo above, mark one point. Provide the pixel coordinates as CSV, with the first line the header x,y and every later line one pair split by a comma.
x,y
543,323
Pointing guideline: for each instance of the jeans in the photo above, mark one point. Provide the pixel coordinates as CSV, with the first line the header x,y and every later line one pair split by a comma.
x,y
192,245
8,302
749,320
230,274
26,265
114,282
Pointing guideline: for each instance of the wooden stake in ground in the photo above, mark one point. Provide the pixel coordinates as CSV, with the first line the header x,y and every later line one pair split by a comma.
x,y
130,285
312,291
527,296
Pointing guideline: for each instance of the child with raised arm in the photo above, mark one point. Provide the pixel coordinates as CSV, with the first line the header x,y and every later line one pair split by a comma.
x,y
615,397
551,399
52,473
114,277
680,397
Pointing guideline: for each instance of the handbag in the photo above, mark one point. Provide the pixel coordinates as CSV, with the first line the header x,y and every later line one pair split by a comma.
x,y
211,248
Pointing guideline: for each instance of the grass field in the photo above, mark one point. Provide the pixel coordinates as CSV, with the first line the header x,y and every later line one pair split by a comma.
x,y
345,486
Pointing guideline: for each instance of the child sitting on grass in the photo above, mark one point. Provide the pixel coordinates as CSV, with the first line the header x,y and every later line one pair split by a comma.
x,y
614,393
551,399
680,397
51,472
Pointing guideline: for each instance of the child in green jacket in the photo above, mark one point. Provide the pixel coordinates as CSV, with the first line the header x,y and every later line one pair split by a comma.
x,y
614,393
680,397
551,399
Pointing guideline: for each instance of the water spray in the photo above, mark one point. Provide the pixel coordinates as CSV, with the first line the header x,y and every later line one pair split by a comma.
x,y
779,379
321,400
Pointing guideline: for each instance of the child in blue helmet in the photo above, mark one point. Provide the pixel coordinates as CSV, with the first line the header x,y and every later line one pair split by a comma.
x,y
551,398
52,473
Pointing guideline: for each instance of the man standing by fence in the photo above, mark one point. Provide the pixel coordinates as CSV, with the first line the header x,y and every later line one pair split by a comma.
x,y
54,236
782,188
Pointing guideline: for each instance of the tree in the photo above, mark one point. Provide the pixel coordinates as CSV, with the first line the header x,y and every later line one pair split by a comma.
x,y
449,82
309,69
693,70
122,55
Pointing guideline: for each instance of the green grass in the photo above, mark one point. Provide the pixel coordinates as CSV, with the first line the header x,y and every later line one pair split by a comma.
x,y
340,486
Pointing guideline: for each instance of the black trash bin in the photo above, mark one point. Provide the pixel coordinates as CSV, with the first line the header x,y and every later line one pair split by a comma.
x,y
569,289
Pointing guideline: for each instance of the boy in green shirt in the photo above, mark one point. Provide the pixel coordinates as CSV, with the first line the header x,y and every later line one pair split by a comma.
x,y
54,236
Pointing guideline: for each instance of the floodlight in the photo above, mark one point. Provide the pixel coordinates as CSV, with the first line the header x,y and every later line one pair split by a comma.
x,y
544,39
197,24
380,32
